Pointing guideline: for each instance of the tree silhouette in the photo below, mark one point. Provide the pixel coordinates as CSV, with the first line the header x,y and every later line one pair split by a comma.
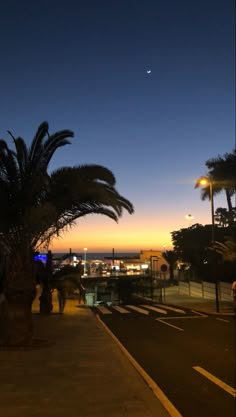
x,y
36,206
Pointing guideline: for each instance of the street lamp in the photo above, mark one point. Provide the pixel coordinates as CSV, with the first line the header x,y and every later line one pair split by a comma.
x,y
151,272
189,218
207,181
85,250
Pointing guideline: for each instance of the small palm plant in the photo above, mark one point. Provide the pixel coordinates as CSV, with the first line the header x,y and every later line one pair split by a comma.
x,y
36,206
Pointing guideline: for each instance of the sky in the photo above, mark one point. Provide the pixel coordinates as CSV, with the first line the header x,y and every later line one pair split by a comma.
x,y
82,65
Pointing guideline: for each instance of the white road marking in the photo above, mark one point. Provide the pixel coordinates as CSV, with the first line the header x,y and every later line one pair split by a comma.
x,y
140,310
200,314
104,310
216,380
218,318
184,317
159,310
121,309
173,412
171,325
177,310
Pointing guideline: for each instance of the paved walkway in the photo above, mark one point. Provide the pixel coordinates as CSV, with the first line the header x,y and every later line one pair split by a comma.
x,y
82,373
172,296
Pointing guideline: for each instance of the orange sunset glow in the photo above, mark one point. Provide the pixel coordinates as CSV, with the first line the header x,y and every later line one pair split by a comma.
x,y
132,233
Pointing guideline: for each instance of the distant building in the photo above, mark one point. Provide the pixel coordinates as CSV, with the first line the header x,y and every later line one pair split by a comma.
x,y
155,260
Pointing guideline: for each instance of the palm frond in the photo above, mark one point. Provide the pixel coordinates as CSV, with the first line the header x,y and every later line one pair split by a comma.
x,y
21,154
9,169
55,141
96,173
36,146
38,206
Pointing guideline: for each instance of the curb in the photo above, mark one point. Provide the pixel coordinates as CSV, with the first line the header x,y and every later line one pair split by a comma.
x,y
159,394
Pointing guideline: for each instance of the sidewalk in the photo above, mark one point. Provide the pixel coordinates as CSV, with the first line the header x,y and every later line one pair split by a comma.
x,y
82,373
172,296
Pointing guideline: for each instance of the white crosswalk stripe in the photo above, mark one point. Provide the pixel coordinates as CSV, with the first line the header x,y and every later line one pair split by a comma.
x,y
145,310
158,310
104,310
140,310
121,309
177,310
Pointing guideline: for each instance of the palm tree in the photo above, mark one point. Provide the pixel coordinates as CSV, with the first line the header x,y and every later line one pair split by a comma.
x,y
221,173
222,170
36,206
171,258
224,218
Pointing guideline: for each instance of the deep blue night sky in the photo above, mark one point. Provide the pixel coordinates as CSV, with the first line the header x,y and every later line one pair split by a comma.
x,y
82,65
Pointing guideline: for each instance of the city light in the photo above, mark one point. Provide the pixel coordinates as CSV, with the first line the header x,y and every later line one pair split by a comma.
x,y
85,251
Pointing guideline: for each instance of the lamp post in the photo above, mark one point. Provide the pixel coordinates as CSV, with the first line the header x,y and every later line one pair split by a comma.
x,y
151,272
189,218
208,181
85,250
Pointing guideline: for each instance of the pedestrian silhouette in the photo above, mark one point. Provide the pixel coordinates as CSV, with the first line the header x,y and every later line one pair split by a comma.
x,y
61,295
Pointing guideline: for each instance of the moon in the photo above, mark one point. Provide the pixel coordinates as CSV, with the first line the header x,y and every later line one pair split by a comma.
x,y
148,71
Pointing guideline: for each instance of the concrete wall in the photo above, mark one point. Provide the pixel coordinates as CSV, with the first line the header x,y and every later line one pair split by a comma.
x,y
206,290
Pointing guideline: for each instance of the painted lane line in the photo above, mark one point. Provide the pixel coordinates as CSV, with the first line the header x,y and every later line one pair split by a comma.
x,y
104,310
177,310
158,310
121,309
173,412
140,310
171,325
216,380
220,319
200,314
184,317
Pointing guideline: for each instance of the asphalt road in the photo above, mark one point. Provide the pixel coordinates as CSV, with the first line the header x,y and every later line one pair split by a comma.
x,y
181,351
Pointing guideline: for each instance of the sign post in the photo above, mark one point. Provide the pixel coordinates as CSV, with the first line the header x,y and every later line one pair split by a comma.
x,y
164,269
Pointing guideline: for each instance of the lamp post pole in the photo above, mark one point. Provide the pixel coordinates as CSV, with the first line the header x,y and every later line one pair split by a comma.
x,y
85,250
212,212
208,181
213,238
151,273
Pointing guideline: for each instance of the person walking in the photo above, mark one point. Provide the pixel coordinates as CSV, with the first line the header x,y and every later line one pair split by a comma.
x,y
61,295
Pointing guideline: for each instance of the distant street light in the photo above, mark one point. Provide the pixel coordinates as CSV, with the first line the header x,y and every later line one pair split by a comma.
x,y
85,251
207,181
189,218
151,272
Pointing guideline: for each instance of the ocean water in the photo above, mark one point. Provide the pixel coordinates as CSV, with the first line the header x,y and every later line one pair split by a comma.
x,y
99,255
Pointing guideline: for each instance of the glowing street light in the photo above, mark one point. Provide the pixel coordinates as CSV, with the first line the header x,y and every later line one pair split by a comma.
x,y
189,218
85,251
206,181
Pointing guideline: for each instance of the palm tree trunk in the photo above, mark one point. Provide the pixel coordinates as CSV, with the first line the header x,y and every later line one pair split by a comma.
x,y
20,291
171,270
229,202
19,330
45,299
